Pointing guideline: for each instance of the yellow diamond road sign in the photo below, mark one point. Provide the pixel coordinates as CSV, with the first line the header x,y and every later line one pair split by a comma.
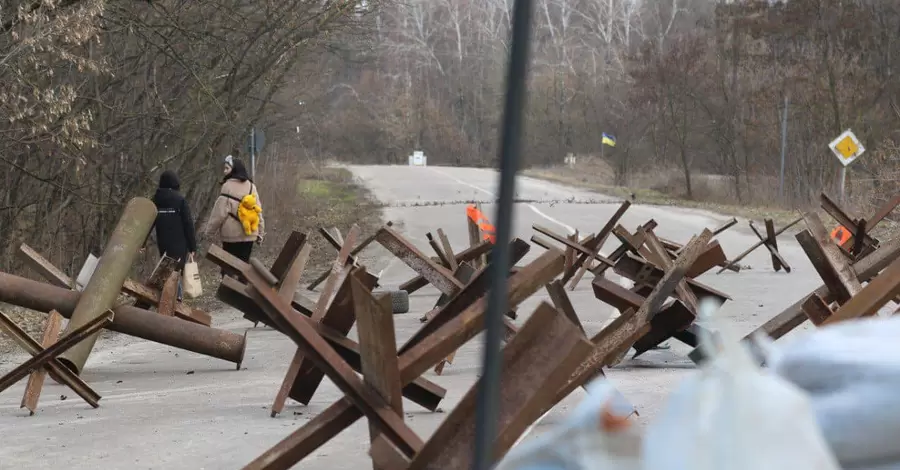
x,y
846,147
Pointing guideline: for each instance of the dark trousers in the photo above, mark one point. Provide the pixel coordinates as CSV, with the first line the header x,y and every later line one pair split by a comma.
x,y
240,250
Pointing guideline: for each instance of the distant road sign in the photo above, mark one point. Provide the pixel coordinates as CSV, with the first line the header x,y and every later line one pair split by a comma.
x,y
846,147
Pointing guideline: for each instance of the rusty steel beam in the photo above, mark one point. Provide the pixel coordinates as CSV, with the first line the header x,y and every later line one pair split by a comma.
x,y
876,294
469,254
771,243
711,257
665,324
643,272
129,320
64,344
793,316
288,254
563,303
437,275
544,352
60,372
724,226
816,309
833,267
757,245
413,363
614,340
316,349
377,347
475,289
448,249
237,295
570,244
36,379
578,269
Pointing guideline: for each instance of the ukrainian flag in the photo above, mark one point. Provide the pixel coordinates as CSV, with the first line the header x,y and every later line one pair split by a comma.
x,y
609,140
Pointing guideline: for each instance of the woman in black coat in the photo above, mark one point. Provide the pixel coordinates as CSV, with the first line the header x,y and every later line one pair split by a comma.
x,y
175,235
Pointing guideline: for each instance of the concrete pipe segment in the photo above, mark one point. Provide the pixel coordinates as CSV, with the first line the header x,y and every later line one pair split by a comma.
x,y
129,320
103,289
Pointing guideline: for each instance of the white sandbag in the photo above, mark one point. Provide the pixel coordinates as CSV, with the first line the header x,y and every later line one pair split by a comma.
x,y
597,435
733,415
852,372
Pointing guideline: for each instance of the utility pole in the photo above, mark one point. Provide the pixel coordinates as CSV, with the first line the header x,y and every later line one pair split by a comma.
x,y
783,146
252,153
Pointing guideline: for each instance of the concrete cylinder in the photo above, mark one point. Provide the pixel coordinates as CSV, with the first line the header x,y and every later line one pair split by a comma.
x,y
101,292
129,320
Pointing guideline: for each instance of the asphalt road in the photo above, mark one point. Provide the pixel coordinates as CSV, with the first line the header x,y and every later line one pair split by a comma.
x,y
164,408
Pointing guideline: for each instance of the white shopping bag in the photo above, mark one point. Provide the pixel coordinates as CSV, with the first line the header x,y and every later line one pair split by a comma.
x,y
596,436
191,284
734,416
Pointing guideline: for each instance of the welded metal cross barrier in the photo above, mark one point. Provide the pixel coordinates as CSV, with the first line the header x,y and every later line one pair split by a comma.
x,y
60,372
455,331
768,241
541,357
52,352
239,296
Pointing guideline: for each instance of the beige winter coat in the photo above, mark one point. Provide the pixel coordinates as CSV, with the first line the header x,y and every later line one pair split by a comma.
x,y
229,227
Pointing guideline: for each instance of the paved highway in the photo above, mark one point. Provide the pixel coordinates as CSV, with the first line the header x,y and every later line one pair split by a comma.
x,y
164,408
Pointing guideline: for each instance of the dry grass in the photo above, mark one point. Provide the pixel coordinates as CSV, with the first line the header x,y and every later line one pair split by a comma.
x,y
295,196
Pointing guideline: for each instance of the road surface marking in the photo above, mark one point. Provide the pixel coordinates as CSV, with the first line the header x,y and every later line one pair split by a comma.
x,y
569,229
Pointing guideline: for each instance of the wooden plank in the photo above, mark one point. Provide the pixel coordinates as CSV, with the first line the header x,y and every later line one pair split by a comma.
x,y
413,363
619,335
437,275
36,379
544,352
816,309
59,372
876,294
372,405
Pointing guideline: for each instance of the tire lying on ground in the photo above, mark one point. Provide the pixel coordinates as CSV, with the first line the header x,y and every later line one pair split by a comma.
x,y
399,301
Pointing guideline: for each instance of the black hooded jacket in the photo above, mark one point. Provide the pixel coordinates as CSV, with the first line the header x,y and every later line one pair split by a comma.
x,y
175,234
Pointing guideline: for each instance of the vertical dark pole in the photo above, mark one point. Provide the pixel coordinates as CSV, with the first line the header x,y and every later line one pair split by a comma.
x,y
489,388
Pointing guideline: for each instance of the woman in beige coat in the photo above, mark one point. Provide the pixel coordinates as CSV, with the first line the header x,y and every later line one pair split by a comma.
x,y
224,218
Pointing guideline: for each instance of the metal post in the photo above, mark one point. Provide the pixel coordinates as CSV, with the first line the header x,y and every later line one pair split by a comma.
x,y
253,153
843,180
783,147
103,289
489,385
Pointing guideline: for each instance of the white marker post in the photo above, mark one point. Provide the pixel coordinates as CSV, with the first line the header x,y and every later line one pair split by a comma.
x,y
847,149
